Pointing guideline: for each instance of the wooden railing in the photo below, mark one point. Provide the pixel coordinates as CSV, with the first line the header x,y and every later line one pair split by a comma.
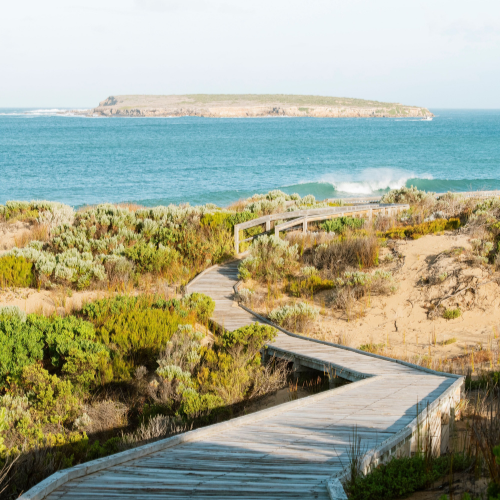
x,y
303,217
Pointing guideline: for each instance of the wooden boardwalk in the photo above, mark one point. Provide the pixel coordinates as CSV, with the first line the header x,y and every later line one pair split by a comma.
x,y
289,451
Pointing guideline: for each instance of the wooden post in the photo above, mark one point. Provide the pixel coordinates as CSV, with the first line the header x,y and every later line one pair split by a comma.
x,y
237,239
268,225
276,231
304,225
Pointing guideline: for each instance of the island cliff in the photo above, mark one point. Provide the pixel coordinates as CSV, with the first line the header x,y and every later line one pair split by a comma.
x,y
252,106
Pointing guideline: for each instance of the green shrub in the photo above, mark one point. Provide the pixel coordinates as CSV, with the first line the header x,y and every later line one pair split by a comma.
x,y
452,313
419,230
96,450
303,287
402,476
202,304
373,348
409,195
271,259
230,369
150,259
8,312
67,344
52,399
137,328
21,344
70,344
16,271
341,224
216,219
249,338
195,405
295,316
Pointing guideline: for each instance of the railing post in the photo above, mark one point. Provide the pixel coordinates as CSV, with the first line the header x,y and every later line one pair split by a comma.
x,y
268,225
304,225
237,238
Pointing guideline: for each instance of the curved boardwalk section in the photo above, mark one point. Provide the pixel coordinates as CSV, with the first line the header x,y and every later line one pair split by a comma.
x,y
290,451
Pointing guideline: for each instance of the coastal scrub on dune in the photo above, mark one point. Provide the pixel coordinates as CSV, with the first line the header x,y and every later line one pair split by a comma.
x,y
102,349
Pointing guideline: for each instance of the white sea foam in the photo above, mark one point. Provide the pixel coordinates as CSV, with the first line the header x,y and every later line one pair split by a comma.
x,y
371,180
42,112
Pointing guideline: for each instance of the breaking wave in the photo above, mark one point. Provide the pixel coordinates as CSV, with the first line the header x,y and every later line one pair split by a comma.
x,y
375,182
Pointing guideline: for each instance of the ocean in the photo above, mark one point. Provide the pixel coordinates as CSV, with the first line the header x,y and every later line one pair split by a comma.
x,y
157,161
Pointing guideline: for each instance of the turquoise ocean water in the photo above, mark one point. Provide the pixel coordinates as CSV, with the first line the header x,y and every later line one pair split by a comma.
x,y
153,161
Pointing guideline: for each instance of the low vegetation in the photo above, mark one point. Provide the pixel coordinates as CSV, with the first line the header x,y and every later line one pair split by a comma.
x,y
140,364
119,246
115,374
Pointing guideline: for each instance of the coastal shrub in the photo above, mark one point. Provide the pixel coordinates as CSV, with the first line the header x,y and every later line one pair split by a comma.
x,y
7,312
305,287
21,344
182,350
341,224
139,334
71,346
202,304
86,248
295,316
48,213
353,285
231,369
419,230
149,259
452,313
402,476
249,339
410,195
69,267
16,272
138,329
197,247
52,399
195,405
345,252
244,295
67,345
119,269
270,259
268,206
216,219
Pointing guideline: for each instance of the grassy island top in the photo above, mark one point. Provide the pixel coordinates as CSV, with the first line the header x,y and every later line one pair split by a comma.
x,y
242,100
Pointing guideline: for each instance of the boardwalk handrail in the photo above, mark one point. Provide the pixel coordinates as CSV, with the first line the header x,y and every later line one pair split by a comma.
x,y
366,210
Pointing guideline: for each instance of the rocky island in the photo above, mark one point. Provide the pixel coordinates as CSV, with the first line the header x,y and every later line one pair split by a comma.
x,y
252,106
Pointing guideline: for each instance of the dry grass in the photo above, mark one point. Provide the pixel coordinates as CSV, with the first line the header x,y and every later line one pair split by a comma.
x,y
158,427
357,252
38,232
238,206
105,415
309,240
273,377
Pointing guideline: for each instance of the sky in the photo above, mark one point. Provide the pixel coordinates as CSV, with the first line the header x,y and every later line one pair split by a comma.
x,y
75,53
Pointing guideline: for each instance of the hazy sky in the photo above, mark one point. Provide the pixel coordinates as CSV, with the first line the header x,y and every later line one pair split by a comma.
x,y
75,53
